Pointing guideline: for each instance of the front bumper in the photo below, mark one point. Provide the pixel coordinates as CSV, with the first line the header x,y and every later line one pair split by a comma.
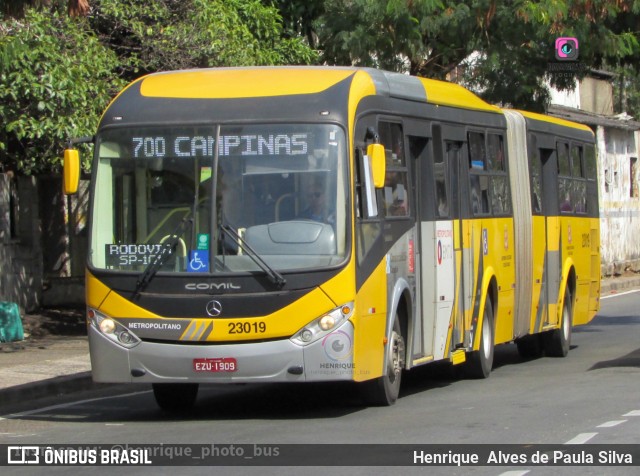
x,y
328,359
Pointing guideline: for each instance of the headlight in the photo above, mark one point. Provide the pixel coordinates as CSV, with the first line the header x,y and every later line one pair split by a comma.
x,y
112,329
323,325
107,326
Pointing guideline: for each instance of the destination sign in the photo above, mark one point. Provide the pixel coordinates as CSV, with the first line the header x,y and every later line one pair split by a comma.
x,y
205,146
132,254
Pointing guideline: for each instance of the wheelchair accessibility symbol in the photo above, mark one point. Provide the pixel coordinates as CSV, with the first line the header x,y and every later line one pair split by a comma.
x,y
198,261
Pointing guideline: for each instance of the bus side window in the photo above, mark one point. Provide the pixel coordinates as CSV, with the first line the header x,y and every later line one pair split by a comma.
x,y
590,162
536,180
440,176
500,191
564,178
477,154
535,172
479,194
478,179
579,189
564,166
395,193
495,156
591,173
368,228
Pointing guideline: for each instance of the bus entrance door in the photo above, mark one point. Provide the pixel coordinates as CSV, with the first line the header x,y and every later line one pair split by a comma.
x,y
438,251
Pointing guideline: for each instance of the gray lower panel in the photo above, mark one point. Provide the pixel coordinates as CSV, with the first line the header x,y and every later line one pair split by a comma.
x,y
330,358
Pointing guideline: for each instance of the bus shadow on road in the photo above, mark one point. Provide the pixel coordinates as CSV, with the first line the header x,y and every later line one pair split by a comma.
x,y
442,374
278,401
428,377
308,400
632,359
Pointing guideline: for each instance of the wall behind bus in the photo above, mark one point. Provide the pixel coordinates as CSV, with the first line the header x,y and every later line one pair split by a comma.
x,y
64,219
617,135
43,242
20,242
619,199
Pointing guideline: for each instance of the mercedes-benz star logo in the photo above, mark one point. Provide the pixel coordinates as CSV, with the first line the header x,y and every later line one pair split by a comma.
x,y
214,308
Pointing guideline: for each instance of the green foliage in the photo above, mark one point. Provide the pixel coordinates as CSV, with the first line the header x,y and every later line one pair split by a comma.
x,y
58,74
514,64
512,42
423,37
626,91
522,47
170,34
377,33
55,79
298,18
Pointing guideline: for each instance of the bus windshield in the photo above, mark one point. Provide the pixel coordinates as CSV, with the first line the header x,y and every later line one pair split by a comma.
x,y
281,188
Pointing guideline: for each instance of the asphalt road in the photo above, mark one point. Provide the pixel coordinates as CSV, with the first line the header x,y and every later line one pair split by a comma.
x,y
592,396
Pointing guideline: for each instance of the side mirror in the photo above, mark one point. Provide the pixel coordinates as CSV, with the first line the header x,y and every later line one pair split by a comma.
x,y
376,155
71,171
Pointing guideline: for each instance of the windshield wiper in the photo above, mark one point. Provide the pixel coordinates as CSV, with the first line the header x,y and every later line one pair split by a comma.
x,y
166,252
275,277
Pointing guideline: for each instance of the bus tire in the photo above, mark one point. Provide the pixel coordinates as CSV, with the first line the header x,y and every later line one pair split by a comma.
x,y
175,397
530,347
558,341
384,390
480,362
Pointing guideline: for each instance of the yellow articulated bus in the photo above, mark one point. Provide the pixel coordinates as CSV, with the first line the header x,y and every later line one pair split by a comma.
x,y
299,224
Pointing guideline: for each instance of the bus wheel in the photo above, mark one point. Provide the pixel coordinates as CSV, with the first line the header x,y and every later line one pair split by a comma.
x,y
557,342
384,390
480,362
175,397
530,347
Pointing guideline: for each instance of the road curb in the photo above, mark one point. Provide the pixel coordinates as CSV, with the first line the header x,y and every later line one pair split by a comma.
x,y
608,286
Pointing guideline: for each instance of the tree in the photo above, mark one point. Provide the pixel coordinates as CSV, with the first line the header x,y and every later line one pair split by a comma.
x,y
175,34
298,18
55,80
512,42
626,90
423,37
59,73
516,63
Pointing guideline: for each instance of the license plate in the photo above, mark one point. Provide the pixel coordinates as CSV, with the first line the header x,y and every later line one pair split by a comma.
x,y
227,364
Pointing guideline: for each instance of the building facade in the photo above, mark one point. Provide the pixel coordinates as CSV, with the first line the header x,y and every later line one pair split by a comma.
x,y
618,138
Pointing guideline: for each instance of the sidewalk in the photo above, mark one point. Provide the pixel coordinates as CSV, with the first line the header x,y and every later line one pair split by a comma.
x,y
56,365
